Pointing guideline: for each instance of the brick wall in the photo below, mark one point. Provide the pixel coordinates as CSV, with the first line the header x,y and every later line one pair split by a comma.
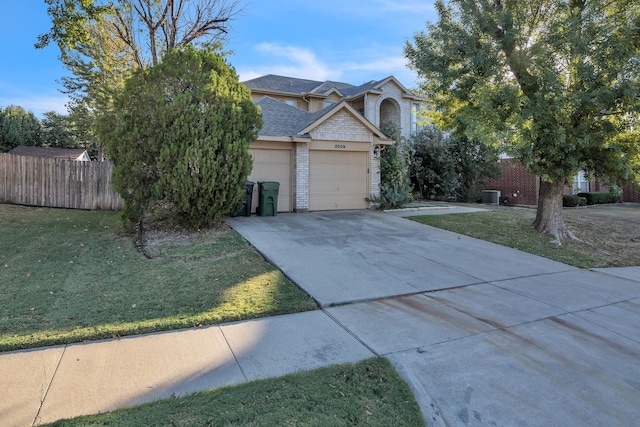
x,y
342,126
374,174
301,178
631,193
516,182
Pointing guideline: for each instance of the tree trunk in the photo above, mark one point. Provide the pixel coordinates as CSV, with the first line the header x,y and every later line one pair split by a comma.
x,y
549,214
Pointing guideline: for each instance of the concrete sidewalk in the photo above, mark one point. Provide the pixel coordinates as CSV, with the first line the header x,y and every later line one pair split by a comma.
x,y
485,335
44,385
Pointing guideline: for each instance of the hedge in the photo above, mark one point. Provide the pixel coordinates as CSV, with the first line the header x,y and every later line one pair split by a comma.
x,y
571,201
598,197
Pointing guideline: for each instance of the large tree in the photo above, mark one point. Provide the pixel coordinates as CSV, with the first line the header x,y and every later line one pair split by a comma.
x,y
18,127
556,82
102,42
179,136
148,28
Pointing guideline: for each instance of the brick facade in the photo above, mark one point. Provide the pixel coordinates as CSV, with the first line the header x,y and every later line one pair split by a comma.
x,y
342,127
516,183
631,193
331,116
374,173
522,187
301,177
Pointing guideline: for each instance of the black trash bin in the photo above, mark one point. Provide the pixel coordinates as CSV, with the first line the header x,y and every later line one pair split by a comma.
x,y
248,198
268,198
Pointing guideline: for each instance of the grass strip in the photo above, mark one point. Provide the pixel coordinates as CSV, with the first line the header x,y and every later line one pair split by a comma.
x,y
605,233
368,393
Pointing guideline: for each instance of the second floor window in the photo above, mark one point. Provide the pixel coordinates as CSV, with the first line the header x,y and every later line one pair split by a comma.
x,y
415,124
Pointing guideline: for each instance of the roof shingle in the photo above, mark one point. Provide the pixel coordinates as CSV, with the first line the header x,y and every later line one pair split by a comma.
x,y
52,153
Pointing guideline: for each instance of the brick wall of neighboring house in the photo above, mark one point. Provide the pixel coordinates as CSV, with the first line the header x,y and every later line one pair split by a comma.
x,y
517,180
631,193
516,183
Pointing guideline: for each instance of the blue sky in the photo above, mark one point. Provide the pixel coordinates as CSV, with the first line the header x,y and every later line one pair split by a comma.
x,y
354,41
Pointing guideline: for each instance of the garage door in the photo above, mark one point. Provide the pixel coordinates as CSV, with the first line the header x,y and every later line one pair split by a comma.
x,y
272,165
338,180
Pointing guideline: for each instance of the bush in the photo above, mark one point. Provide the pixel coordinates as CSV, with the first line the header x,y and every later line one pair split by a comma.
x,y
178,137
571,201
598,197
449,167
394,190
432,168
474,162
392,196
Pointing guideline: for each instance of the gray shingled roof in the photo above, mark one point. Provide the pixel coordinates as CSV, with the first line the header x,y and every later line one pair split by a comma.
x,y
282,84
52,153
356,90
325,87
296,86
280,119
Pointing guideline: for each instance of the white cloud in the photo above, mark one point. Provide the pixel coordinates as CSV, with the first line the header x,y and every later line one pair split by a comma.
x,y
292,61
289,61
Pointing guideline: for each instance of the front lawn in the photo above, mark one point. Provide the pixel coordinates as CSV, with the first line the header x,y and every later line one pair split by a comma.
x,y
368,393
70,276
609,234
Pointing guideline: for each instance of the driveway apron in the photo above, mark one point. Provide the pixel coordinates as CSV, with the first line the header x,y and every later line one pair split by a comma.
x,y
485,335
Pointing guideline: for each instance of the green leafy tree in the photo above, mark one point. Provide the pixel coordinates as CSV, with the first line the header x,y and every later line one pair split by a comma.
x,y
18,127
555,82
393,170
102,42
432,168
394,190
179,136
82,123
474,162
56,131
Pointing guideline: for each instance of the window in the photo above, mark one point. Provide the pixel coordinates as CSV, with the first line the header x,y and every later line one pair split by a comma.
x,y
580,183
291,102
327,104
415,126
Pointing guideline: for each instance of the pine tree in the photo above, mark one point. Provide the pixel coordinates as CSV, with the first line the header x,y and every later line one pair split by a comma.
x,y
178,137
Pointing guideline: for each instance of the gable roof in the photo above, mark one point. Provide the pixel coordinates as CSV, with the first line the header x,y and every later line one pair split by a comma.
x,y
52,153
282,120
272,83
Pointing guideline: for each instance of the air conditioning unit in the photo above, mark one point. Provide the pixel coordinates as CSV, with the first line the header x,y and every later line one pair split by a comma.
x,y
491,197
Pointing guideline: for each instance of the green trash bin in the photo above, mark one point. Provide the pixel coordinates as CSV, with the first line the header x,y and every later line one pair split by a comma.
x,y
268,198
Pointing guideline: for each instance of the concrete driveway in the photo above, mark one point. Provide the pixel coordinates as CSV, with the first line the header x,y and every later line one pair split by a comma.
x,y
485,335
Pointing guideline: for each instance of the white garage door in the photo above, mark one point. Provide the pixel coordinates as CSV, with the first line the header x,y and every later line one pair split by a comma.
x,y
272,165
338,180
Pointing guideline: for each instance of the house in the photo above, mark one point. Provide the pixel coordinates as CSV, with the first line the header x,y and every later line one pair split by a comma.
x,y
321,140
79,154
521,187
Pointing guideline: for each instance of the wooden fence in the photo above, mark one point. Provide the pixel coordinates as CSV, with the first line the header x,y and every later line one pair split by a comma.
x,y
38,181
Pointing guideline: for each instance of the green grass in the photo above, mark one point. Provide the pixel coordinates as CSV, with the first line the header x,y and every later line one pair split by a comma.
x,y
607,233
70,276
368,393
